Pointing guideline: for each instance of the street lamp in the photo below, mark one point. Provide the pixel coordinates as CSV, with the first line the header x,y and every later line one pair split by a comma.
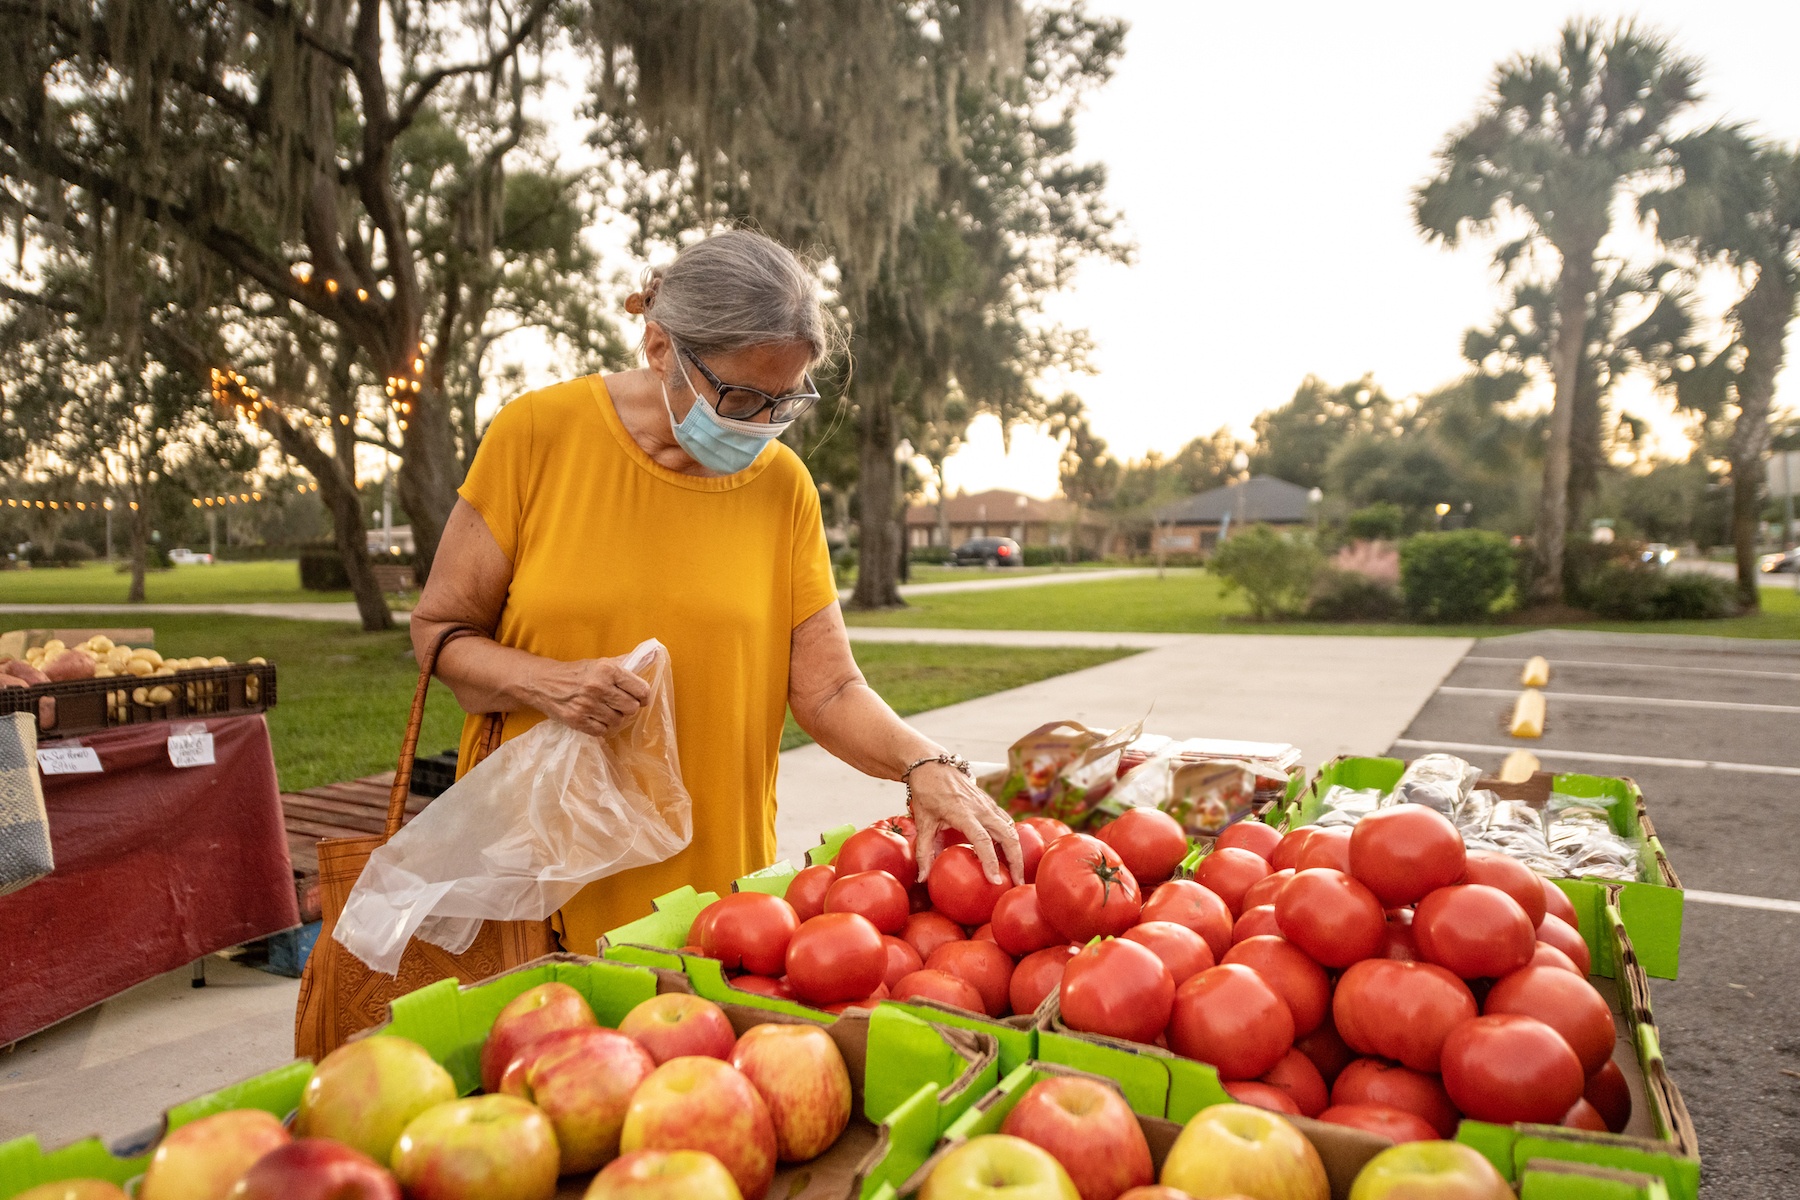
x,y
1442,509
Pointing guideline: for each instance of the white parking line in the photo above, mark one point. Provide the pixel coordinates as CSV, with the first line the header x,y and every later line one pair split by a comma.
x,y
1699,764
1732,900
1650,701
1575,662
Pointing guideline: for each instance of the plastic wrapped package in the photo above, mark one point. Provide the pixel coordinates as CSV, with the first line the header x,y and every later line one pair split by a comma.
x,y
1204,796
1438,781
1347,806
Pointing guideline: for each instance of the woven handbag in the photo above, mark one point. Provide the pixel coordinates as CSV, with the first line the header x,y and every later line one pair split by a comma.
x,y
339,994
25,855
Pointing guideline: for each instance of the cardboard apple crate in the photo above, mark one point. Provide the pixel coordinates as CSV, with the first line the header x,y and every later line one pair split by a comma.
x,y
656,941
1651,905
910,1079
1660,1140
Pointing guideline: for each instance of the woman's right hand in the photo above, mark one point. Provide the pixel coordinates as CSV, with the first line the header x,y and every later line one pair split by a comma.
x,y
594,695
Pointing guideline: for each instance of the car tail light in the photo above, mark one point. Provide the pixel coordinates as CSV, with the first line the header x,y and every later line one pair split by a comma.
x,y
1004,551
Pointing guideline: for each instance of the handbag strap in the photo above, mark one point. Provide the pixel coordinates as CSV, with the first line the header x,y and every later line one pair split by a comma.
x,y
409,745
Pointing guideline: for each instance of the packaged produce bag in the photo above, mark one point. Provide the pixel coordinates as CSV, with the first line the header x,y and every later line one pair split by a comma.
x,y
1063,770
541,817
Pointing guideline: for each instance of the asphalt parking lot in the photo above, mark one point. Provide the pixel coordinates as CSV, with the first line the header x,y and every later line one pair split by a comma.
x,y
1710,729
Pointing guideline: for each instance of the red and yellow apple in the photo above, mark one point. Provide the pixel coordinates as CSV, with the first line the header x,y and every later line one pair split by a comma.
x,y
1088,1128
800,1074
316,1169
1429,1171
664,1175
1236,1148
202,1159
74,1189
998,1165
481,1148
582,1079
365,1092
528,1016
676,1024
699,1103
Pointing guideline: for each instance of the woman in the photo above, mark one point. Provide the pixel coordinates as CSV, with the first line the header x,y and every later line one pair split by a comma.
x,y
657,503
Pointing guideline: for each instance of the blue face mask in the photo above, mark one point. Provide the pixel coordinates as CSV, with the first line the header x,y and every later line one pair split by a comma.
x,y
719,443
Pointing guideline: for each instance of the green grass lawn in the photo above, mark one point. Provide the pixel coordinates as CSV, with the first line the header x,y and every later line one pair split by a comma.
x,y
1194,602
201,583
344,694
935,573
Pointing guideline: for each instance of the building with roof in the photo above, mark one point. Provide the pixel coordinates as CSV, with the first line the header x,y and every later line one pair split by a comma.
x,y
1194,525
997,513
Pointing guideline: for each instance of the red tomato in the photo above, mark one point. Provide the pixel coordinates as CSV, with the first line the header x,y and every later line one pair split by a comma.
x,y
878,850
1558,904
1116,988
1400,1010
902,960
1511,876
1555,931
1182,950
1403,852
1297,979
1049,828
1377,1081
960,889
1251,835
1187,903
1037,975
1326,1050
1256,922
919,896
1396,1125
1473,930
1566,1003
984,933
1400,944
1296,1075
868,1002
806,892
1231,1017
1610,1095
1261,1095
926,931
1085,890
1582,1115
1288,848
702,921
1507,1068
1150,842
1230,872
1325,848
836,956
875,894
762,985
1019,926
1264,890
980,964
1031,848
941,987
750,930
902,824
1546,955
1332,917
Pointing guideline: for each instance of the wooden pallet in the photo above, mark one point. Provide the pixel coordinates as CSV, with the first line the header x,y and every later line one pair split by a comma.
x,y
333,810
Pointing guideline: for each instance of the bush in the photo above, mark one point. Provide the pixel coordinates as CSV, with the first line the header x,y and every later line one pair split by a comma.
x,y
1273,570
1352,596
845,559
1379,522
1456,576
323,571
929,555
60,554
1045,556
1631,591
1693,596
1620,590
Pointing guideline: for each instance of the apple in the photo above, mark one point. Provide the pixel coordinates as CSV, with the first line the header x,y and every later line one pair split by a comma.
x,y
481,1148
74,1189
1088,1128
1236,1148
202,1159
365,1092
800,1074
582,1079
528,1016
697,1103
676,1024
664,1175
997,1165
1429,1171
316,1169
1157,1191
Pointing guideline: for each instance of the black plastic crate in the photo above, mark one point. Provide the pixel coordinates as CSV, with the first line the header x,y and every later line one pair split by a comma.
x,y
78,706
433,776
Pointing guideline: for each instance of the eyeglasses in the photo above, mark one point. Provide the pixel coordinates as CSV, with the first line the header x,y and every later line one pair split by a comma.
x,y
739,403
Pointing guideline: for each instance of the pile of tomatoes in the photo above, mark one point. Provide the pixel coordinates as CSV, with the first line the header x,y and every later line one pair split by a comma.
x,y
1383,977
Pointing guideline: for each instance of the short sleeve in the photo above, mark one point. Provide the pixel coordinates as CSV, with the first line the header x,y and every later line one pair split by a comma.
x,y
499,479
814,588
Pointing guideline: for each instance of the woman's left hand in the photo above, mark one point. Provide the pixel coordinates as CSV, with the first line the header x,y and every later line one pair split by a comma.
x,y
944,798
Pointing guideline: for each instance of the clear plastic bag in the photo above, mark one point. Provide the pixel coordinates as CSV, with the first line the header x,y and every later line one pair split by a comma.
x,y
1440,781
547,813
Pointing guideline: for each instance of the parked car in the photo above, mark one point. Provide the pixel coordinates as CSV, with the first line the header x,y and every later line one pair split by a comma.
x,y
1786,562
1658,554
992,551
184,557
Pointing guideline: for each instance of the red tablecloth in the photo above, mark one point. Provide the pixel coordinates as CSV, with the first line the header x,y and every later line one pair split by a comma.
x,y
155,867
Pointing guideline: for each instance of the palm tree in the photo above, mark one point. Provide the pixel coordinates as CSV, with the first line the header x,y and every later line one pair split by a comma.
x,y
1556,141
1737,201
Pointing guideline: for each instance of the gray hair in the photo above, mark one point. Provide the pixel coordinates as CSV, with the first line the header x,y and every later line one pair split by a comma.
x,y
734,290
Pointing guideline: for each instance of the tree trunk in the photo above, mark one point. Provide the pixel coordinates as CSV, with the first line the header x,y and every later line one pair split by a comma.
x,y
1573,289
140,547
1763,317
337,489
877,488
429,476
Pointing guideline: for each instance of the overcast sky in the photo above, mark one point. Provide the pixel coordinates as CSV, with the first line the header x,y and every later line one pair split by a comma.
x,y
1263,156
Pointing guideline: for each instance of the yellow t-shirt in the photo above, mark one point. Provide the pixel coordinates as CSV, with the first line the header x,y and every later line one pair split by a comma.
x,y
609,548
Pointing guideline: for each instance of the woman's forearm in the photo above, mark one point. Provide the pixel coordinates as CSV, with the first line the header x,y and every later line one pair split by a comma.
x,y
488,677
858,726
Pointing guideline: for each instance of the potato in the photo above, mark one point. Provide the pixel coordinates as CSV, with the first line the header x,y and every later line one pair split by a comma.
x,y
165,669
161,695
25,671
11,681
54,647
117,657
260,661
218,660
100,643
148,655
252,688
104,671
141,696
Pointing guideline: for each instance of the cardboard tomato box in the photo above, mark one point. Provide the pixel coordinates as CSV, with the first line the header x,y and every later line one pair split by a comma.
x,y
909,1079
